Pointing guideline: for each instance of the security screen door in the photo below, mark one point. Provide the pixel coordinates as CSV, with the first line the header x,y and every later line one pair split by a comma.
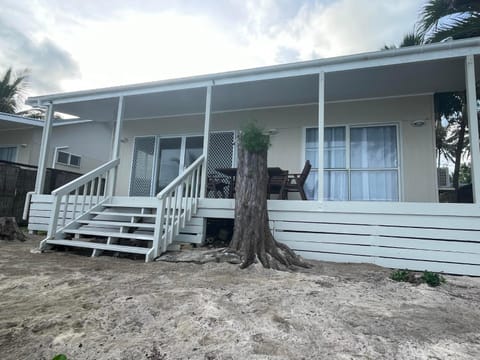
x,y
159,160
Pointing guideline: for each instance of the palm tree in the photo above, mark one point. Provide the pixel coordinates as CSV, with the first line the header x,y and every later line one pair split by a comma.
x,y
444,19
12,91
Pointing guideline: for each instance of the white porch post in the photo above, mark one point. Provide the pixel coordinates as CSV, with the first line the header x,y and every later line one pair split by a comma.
x,y
206,137
321,125
42,160
116,145
473,125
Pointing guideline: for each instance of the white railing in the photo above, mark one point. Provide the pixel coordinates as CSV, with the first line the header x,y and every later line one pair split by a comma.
x,y
87,191
178,202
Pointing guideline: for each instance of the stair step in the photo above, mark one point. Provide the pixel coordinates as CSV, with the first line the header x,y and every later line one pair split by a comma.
x,y
140,206
117,223
101,246
129,214
114,234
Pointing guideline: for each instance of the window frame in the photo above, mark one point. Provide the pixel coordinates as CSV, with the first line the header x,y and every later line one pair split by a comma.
x,y
69,162
348,169
17,148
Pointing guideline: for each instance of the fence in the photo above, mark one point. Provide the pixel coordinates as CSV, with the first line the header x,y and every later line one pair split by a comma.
x,y
18,179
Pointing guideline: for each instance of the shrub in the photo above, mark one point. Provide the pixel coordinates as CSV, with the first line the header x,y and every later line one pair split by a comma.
x,y
60,357
432,279
400,275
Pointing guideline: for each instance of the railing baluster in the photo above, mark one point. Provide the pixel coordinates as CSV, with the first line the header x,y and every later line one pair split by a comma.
x,y
90,193
75,199
65,209
99,179
168,219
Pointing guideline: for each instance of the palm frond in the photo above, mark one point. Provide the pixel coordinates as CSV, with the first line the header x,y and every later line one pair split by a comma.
x,y
457,28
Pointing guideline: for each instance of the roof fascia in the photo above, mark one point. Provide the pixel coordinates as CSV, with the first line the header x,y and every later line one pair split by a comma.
x,y
20,119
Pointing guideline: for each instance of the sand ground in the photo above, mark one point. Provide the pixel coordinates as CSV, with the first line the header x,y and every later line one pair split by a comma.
x,y
118,308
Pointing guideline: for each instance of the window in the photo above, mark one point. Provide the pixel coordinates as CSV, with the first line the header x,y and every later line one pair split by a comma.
x,y
8,153
68,159
360,163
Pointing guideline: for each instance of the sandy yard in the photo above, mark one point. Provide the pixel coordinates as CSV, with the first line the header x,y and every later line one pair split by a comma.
x,y
117,308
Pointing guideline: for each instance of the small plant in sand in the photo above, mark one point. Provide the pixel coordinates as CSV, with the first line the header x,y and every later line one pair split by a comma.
x,y
60,357
427,277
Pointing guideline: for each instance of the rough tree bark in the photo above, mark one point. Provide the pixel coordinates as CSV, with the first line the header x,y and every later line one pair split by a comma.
x,y
252,238
9,229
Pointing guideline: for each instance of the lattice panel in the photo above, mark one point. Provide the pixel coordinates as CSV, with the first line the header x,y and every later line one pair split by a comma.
x,y
220,155
142,168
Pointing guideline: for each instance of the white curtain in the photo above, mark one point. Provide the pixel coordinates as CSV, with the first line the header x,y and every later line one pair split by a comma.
x,y
372,173
375,150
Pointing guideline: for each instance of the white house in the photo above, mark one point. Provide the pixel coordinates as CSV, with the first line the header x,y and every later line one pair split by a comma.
x,y
21,137
366,120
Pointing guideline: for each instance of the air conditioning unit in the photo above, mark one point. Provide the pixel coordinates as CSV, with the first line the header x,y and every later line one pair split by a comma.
x,y
443,177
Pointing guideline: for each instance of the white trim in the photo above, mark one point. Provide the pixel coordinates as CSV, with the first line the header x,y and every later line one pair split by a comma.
x,y
206,140
434,142
473,125
321,131
44,146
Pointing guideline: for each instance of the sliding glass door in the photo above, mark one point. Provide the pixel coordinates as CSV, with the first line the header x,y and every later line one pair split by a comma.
x,y
157,161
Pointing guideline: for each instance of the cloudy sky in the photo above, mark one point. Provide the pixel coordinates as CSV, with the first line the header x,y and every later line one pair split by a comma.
x,y
81,44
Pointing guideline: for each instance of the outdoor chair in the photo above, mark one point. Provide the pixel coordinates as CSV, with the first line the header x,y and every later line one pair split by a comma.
x,y
276,185
295,182
216,185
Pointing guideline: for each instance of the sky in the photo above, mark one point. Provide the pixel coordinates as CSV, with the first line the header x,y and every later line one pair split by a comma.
x,y
84,44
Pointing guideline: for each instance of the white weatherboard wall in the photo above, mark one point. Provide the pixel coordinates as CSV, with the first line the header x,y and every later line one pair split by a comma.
x,y
417,144
92,141
27,141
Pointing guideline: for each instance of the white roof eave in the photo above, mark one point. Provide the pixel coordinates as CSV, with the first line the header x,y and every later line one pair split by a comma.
x,y
449,49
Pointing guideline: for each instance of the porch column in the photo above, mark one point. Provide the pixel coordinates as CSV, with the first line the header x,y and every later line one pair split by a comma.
x,y
42,159
321,125
116,145
473,125
206,137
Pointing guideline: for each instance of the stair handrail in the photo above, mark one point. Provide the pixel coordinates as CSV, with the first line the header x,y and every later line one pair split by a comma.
x,y
85,178
178,201
93,193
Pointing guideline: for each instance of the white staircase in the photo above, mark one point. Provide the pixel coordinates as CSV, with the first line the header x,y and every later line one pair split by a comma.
x,y
145,226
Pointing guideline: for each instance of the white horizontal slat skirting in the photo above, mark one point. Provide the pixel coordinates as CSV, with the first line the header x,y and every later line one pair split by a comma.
x,y
435,237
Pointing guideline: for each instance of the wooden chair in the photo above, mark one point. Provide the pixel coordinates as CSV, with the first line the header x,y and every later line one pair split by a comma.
x,y
295,182
276,185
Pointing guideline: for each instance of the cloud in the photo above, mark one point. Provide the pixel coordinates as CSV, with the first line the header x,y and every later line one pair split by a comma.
x,y
87,44
46,61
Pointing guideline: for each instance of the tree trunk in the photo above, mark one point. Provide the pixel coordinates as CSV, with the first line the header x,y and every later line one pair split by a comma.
x,y
252,238
9,229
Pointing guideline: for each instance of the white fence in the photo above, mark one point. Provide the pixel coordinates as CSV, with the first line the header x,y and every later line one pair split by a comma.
x,y
417,236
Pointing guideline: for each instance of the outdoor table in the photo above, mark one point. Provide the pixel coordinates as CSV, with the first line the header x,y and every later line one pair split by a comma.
x,y
232,174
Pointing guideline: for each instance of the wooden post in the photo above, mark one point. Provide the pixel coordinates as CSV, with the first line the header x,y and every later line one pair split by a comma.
x,y
473,124
206,136
116,145
42,160
321,126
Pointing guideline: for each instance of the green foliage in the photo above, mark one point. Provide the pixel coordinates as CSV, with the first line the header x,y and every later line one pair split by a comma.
x,y
11,91
465,176
60,357
428,277
432,279
254,139
400,275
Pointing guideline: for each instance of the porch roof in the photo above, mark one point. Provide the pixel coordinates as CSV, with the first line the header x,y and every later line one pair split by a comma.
x,y
415,70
